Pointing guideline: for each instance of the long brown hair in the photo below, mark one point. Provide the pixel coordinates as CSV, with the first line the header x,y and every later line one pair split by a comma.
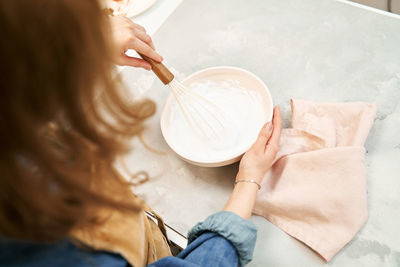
x,y
62,118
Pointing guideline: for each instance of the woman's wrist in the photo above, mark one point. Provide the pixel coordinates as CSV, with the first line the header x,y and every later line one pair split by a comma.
x,y
249,176
249,181
242,199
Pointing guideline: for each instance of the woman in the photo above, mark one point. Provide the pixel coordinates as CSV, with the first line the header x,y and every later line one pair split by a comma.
x,y
63,122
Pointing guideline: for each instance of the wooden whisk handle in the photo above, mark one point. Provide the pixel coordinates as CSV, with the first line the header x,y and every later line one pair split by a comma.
x,y
159,69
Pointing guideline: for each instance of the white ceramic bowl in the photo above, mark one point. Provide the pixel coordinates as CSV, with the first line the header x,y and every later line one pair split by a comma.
x,y
218,74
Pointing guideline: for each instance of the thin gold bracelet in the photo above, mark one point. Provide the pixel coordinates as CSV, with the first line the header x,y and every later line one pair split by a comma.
x,y
249,181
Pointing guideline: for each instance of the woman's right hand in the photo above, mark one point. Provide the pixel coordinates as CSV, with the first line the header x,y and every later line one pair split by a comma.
x,y
128,35
259,158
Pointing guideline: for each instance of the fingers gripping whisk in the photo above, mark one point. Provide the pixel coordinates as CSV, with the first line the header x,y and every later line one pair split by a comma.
x,y
203,116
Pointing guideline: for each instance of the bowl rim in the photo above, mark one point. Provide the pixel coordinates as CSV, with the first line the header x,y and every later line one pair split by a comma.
x,y
230,159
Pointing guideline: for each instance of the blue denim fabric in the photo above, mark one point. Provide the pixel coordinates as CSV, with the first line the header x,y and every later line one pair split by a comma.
x,y
223,239
241,233
209,249
15,253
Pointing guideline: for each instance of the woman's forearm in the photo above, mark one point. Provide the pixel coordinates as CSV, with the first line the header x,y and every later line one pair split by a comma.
x,y
242,199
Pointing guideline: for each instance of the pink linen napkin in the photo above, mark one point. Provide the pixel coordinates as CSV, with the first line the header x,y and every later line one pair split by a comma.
x,y
316,189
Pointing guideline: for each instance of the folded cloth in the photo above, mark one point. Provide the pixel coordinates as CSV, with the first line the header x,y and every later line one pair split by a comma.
x,y
316,189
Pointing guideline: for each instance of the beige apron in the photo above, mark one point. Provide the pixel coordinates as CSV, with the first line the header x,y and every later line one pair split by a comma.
x,y
131,234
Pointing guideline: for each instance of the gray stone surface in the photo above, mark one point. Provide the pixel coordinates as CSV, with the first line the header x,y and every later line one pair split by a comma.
x,y
319,50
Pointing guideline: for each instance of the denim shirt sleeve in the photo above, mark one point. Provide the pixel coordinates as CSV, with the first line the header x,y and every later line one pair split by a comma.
x,y
241,233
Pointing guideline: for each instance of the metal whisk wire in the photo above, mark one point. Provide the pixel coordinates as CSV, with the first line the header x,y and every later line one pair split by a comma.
x,y
203,116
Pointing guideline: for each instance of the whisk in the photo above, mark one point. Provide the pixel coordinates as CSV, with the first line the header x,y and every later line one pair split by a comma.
x,y
203,116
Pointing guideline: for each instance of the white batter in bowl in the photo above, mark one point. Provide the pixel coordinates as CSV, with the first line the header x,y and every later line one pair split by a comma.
x,y
245,102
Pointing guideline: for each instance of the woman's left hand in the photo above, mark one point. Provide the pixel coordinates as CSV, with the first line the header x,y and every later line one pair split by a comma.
x,y
256,162
253,166
129,35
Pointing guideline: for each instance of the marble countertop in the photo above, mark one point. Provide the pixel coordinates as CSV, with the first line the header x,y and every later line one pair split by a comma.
x,y
315,50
